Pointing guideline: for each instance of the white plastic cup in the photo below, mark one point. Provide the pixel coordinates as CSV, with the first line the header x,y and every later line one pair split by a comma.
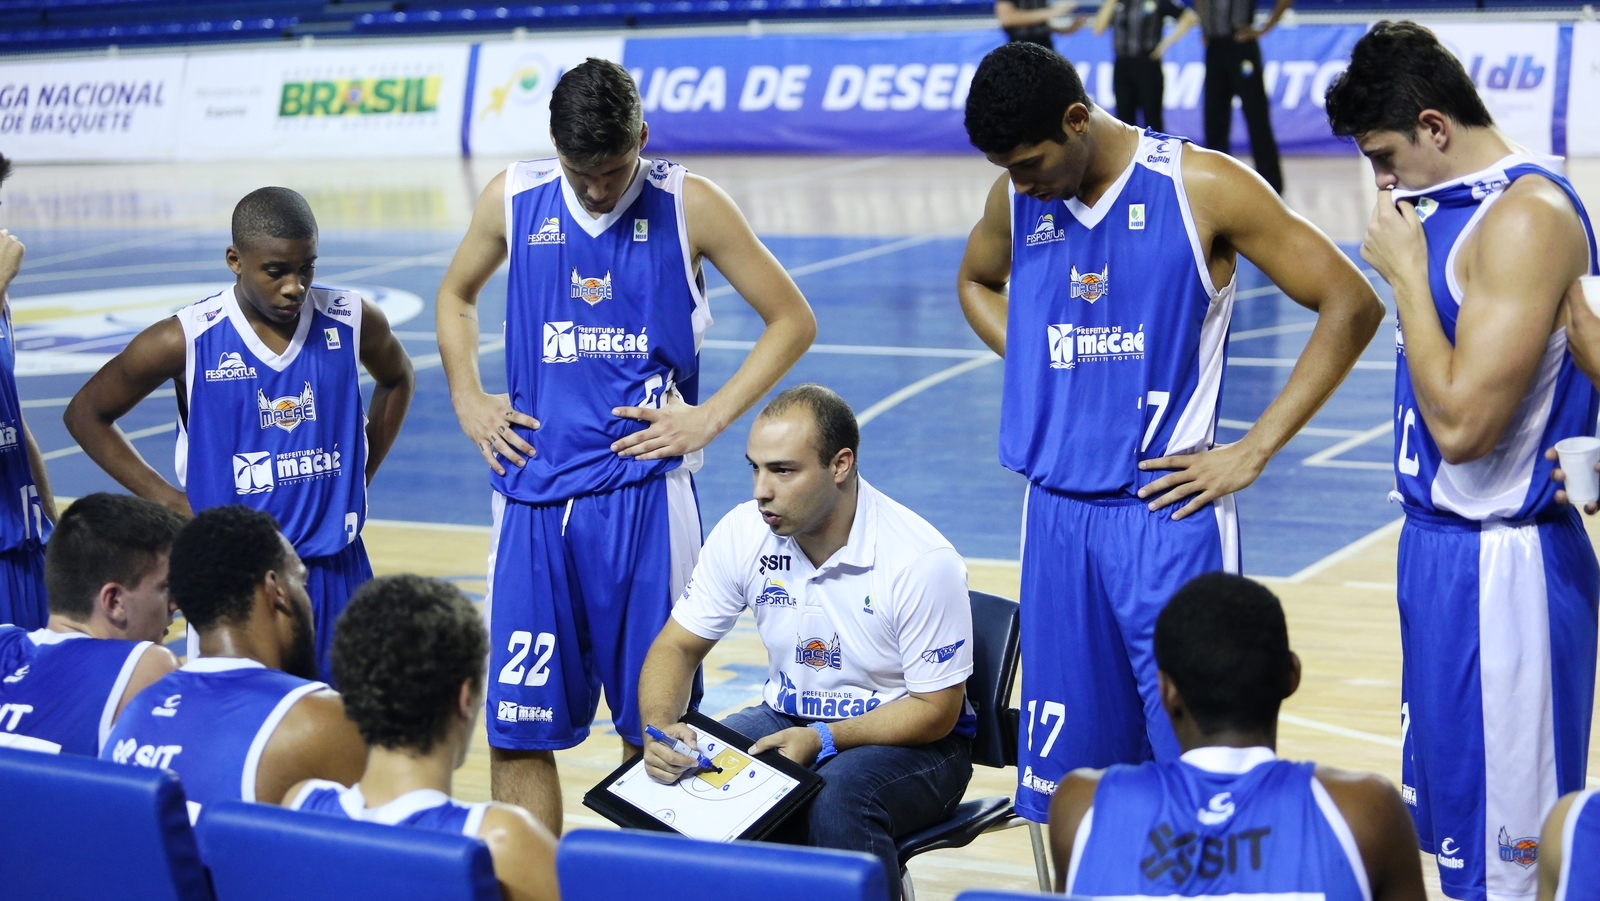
x,y
1578,456
1590,285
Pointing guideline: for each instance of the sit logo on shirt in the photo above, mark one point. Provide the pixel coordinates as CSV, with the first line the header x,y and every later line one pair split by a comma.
x,y
156,757
1183,855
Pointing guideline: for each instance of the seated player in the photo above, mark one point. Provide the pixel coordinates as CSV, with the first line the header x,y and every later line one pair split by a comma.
x,y
1229,818
863,608
1569,850
105,572
243,721
409,654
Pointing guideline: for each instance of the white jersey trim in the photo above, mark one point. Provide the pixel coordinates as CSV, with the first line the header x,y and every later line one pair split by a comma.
x,y
1341,830
700,320
252,760
1568,830
1091,216
42,637
497,511
108,714
1226,510
247,334
683,530
354,805
592,225
519,178
1197,424
1232,761
193,325
28,743
1079,842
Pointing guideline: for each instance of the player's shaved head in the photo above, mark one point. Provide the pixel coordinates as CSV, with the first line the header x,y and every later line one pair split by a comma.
x,y
836,427
272,213
401,652
104,538
595,112
1223,642
217,561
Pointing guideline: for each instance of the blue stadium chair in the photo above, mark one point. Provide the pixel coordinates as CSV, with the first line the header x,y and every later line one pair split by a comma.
x,y
76,827
996,636
981,895
261,853
596,865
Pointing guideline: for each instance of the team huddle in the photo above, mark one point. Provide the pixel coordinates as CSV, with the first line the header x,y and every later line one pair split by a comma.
x,y
1103,270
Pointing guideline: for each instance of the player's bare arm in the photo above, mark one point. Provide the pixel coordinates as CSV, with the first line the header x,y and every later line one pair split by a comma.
x,y
1550,848
916,719
718,232
485,418
1237,214
387,362
12,251
1073,798
154,663
1467,392
665,682
1383,831
41,476
986,268
314,741
154,356
524,854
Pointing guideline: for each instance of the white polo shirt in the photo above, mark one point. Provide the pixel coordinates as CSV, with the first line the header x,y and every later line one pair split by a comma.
x,y
886,615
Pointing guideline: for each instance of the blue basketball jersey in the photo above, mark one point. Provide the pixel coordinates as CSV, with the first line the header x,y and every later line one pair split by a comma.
x,y
59,690
421,809
1233,822
600,313
1580,851
1513,480
284,433
208,722
21,513
1098,377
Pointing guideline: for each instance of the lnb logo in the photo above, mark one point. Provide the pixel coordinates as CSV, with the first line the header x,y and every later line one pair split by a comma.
x,y
1518,74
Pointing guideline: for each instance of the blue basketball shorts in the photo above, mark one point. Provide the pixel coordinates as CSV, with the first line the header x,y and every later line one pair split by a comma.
x,y
330,581
22,596
1498,623
1094,577
578,591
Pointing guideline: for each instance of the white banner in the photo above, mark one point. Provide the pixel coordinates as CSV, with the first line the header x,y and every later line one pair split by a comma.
x,y
1514,66
99,109
377,101
511,97
1583,96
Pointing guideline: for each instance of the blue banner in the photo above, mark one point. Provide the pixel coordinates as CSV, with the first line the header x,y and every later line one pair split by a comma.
x,y
904,93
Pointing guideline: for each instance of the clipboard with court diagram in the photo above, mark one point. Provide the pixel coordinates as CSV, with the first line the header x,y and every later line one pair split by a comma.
x,y
744,801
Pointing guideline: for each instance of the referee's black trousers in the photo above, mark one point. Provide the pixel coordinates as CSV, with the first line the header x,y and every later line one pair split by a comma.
x,y
1233,68
1138,84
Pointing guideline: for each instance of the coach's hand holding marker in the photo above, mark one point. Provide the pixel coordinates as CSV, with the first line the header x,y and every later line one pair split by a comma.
x,y
670,753
488,419
682,747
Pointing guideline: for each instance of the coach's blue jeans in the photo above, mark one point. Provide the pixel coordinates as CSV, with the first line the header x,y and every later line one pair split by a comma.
x,y
874,794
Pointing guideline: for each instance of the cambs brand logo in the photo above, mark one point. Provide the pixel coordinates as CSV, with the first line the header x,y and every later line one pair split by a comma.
x,y
819,654
230,367
591,290
289,411
549,233
1045,232
1091,286
1448,851
359,97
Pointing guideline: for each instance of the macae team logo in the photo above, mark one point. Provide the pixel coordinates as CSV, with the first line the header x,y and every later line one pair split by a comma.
x,y
773,594
289,411
230,367
942,655
591,290
549,233
1045,231
252,472
819,654
1524,852
1060,345
1091,286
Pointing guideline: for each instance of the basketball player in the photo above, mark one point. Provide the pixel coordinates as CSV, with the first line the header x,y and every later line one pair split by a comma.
x,y
1121,247
106,568
1498,584
1228,818
27,508
410,656
1569,850
595,524
269,404
243,721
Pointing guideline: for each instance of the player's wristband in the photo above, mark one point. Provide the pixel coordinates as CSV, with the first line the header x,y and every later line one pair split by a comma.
x,y
828,750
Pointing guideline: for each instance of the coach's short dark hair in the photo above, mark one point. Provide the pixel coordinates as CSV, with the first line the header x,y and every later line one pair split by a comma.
x,y
5,168
217,561
104,538
272,213
1223,642
595,112
401,650
836,422
1019,96
1397,70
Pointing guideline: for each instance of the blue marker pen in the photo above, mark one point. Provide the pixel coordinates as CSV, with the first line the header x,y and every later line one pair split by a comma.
x,y
681,748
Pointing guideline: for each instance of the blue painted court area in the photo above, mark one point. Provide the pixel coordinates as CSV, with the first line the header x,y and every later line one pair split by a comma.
x,y
891,340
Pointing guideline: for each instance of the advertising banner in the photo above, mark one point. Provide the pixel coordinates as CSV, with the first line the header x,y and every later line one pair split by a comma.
x,y
1514,65
907,93
97,109
1583,97
510,107
382,100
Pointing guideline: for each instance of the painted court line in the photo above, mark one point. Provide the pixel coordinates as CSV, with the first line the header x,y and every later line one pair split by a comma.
x,y
1326,456
131,436
1289,363
102,249
845,260
921,385
1357,734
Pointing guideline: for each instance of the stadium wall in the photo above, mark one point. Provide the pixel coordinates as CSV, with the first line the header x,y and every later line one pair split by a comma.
x,y
872,92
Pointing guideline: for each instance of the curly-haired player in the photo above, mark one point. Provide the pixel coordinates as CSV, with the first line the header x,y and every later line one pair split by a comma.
x,y
409,654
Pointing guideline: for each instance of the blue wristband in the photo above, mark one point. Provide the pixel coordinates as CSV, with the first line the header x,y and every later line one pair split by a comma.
x,y
828,750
